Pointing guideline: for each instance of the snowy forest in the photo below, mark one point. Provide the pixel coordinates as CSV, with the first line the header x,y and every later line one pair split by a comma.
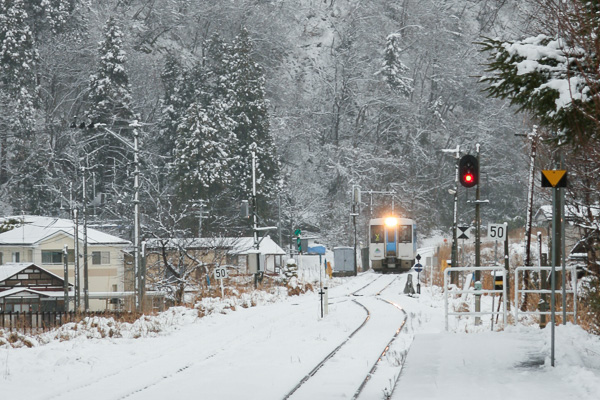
x,y
327,94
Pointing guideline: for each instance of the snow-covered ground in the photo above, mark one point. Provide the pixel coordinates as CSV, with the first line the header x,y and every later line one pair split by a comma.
x,y
262,346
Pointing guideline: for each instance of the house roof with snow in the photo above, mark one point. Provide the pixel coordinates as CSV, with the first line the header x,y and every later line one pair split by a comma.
x,y
35,229
571,213
10,269
239,245
26,292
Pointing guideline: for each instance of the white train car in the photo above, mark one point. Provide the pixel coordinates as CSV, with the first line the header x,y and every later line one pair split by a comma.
x,y
392,244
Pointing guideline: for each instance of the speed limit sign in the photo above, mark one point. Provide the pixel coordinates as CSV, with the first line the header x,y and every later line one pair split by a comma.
x,y
497,231
220,273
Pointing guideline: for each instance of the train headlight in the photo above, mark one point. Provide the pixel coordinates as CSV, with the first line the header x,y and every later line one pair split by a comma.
x,y
391,221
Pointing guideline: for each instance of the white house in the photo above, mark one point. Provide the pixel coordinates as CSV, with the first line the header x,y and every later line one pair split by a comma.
x,y
40,240
235,250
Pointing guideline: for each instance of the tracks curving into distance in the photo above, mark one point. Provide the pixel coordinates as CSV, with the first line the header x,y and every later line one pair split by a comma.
x,y
380,357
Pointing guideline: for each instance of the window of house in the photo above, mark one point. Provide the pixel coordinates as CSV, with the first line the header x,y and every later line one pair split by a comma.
x,y
52,257
1,258
16,256
56,256
100,257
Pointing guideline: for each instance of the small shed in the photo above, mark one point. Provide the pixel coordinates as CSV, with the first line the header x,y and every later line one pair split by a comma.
x,y
343,261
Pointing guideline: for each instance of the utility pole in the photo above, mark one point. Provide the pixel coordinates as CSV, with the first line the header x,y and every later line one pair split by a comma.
x,y
77,265
136,221
66,277
86,299
255,219
201,216
279,219
139,272
477,239
454,191
355,201
533,136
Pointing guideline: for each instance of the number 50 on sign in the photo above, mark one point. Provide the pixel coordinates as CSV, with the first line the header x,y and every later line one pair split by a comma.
x,y
497,231
220,273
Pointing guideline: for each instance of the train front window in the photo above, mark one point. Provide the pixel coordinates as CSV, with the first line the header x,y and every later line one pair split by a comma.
x,y
391,234
376,234
405,234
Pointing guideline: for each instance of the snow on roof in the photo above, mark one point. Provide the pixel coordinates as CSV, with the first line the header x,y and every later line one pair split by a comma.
x,y
36,229
239,245
9,269
570,211
17,290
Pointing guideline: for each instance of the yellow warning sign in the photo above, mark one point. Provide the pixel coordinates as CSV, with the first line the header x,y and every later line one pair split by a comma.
x,y
554,178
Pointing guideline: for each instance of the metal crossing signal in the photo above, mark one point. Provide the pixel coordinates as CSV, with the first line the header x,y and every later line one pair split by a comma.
x,y
468,171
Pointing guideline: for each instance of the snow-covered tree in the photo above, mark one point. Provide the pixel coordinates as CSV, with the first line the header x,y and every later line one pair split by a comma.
x,y
18,59
173,102
110,108
393,69
241,87
205,150
553,75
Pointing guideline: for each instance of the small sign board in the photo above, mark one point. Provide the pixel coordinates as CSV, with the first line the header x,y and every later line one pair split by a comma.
x,y
497,231
554,178
221,272
463,230
418,267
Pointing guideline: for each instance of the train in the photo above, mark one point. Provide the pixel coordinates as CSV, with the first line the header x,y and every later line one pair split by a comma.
x,y
392,244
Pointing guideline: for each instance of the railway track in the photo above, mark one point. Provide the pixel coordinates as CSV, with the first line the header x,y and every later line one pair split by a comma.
x,y
372,289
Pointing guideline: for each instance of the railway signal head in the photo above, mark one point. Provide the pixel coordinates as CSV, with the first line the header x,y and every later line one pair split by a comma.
x,y
468,171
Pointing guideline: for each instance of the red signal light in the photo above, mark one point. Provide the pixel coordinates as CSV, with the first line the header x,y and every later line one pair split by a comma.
x,y
468,171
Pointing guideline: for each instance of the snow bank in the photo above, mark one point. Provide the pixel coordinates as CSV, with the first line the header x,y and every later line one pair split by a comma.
x,y
145,326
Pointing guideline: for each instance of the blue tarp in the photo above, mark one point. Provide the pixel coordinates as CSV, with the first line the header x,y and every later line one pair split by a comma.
x,y
316,249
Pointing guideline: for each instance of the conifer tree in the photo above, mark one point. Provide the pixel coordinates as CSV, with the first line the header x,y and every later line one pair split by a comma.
x,y
173,104
242,84
393,69
18,58
110,108
203,154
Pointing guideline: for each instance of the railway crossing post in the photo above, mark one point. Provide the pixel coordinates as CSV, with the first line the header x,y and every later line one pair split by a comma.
x,y
418,267
556,179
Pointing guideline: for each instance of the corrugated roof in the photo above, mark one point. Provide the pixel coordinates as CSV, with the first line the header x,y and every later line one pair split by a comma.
x,y
36,228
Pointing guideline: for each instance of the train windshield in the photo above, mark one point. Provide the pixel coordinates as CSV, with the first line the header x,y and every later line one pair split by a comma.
x,y
391,234
405,234
376,234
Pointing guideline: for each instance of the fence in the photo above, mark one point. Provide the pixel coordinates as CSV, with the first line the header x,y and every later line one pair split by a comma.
x,y
518,291
475,292
40,321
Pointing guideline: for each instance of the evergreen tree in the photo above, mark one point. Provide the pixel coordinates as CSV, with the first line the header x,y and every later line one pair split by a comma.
x,y
18,58
393,68
203,153
242,85
173,104
110,108
554,75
